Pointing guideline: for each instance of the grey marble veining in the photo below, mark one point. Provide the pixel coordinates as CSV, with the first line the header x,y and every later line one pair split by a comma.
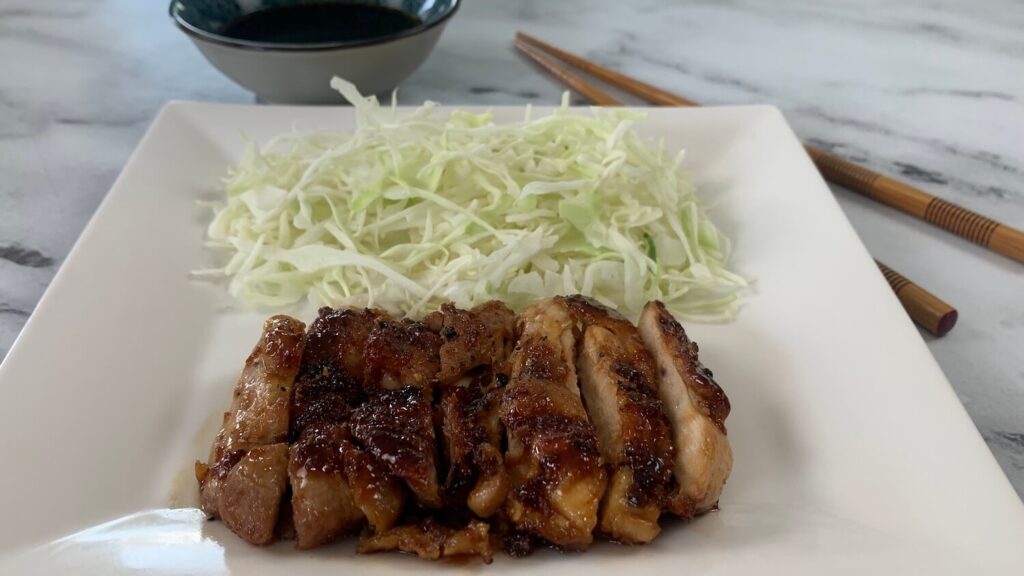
x,y
931,91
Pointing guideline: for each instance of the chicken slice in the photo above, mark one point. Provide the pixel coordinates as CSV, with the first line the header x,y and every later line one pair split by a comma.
x,y
482,336
396,428
402,353
328,386
330,380
553,459
472,439
474,357
696,407
249,499
258,418
259,406
431,540
323,507
392,433
619,384
379,495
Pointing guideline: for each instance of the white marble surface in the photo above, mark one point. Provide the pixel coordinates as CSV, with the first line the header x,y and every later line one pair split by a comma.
x,y
930,90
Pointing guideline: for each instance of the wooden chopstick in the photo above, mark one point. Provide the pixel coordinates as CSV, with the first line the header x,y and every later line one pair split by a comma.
x,y
922,306
642,90
574,82
954,218
926,309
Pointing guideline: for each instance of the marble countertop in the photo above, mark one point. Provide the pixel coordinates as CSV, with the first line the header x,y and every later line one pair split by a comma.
x,y
931,91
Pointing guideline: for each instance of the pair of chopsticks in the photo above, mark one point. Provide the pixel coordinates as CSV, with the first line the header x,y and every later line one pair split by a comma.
x,y
924,308
972,226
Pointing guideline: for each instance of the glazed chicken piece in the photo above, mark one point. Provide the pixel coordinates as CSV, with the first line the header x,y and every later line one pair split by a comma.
x,y
396,428
323,505
246,474
479,337
696,407
329,385
259,405
619,384
330,380
474,369
402,353
250,492
472,439
431,540
378,494
554,463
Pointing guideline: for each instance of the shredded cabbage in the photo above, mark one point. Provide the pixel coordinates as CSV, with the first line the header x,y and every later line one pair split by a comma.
x,y
416,208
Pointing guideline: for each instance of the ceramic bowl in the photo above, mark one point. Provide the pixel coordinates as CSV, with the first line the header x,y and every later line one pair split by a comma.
x,y
300,73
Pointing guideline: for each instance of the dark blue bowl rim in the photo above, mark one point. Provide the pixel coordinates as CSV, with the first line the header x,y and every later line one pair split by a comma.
x,y
208,36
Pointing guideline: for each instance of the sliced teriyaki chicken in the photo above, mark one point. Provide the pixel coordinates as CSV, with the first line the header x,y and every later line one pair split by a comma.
x,y
472,439
402,353
474,369
247,471
431,540
555,468
323,505
378,494
619,384
259,406
329,385
396,428
251,492
697,408
330,381
479,337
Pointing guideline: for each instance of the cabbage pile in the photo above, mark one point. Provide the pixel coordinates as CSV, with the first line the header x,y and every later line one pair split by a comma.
x,y
414,208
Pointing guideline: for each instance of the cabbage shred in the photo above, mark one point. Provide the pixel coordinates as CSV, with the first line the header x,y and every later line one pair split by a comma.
x,y
413,209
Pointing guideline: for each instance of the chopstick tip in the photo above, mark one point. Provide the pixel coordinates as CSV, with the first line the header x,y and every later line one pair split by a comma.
x,y
947,322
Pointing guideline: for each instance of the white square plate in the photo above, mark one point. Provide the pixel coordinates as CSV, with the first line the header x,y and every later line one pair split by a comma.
x,y
852,454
